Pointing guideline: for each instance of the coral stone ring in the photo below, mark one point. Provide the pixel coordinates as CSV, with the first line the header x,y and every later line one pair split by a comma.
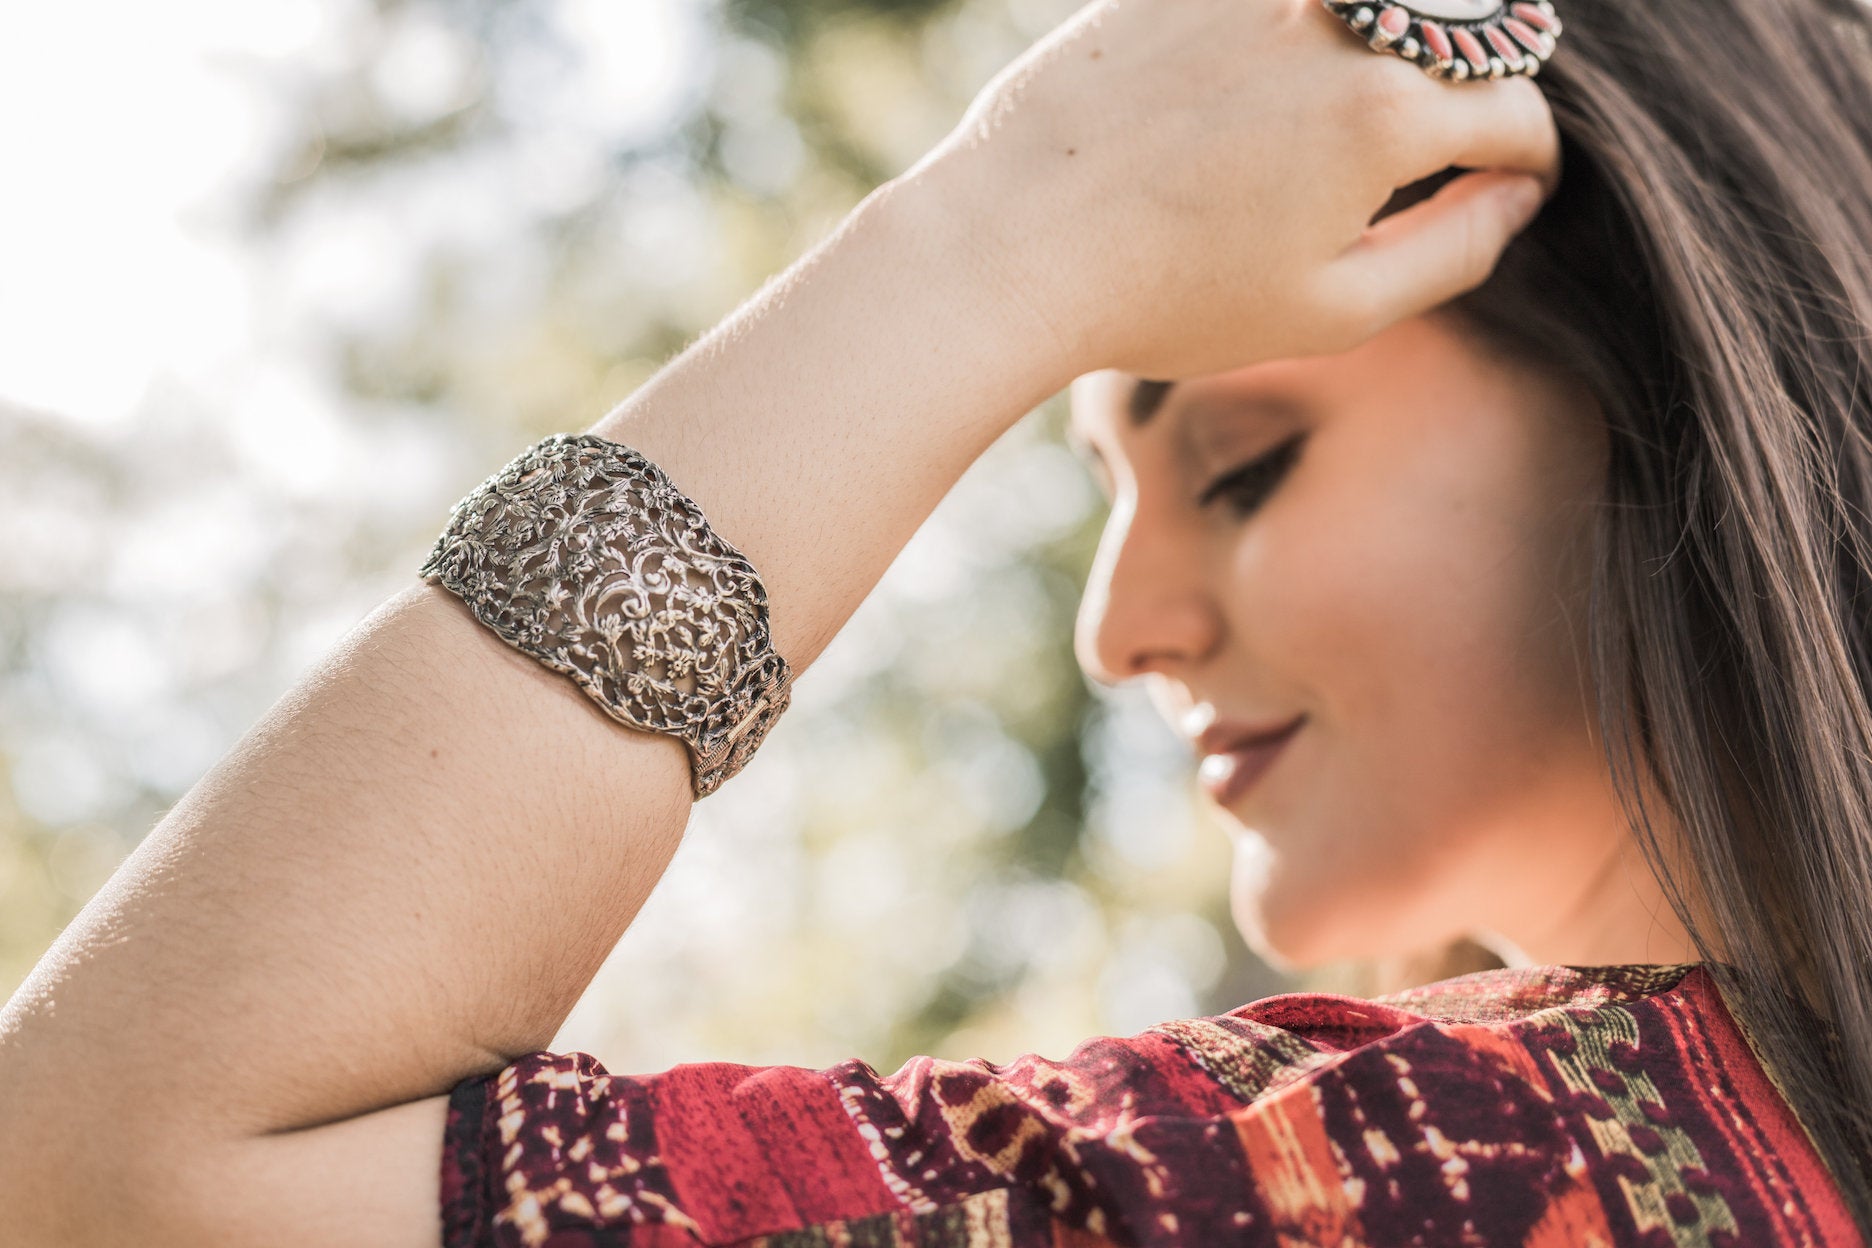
x,y
1457,39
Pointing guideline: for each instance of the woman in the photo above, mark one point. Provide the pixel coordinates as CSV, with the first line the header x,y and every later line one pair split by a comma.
x,y
1548,557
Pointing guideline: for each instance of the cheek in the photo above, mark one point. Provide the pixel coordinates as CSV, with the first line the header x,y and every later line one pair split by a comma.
x,y
1415,605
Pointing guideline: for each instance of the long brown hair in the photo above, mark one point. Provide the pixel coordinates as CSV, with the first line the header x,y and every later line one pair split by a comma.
x,y
1706,268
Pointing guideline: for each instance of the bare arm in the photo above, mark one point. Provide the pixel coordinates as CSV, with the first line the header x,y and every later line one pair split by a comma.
x,y
411,868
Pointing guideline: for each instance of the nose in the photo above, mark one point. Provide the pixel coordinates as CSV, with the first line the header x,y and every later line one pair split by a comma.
x,y
1146,606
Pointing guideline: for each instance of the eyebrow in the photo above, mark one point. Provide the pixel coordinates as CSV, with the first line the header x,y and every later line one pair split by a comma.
x,y
1147,399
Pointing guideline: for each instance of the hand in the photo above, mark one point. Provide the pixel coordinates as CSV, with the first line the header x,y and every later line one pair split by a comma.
x,y
1180,187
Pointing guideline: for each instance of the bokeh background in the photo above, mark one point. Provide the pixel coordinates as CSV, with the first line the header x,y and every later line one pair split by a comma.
x,y
279,283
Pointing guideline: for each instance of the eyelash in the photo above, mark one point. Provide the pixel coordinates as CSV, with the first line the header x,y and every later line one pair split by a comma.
x,y
1248,487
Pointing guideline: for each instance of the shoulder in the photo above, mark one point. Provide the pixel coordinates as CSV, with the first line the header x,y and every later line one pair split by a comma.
x,y
1483,1106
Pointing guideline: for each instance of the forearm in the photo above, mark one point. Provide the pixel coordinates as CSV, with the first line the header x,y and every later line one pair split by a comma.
x,y
410,869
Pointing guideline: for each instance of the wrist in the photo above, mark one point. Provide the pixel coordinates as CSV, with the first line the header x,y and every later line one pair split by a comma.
x,y
974,235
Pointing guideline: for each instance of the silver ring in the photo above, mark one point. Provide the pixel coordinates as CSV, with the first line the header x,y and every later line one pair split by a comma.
x,y
1457,39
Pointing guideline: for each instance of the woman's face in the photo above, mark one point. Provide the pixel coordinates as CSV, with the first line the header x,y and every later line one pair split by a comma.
x,y
1414,583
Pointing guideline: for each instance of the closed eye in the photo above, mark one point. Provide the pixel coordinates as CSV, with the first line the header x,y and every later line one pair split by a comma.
x,y
1246,488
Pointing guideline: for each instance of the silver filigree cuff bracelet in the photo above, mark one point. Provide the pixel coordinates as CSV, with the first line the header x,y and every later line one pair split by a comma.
x,y
583,554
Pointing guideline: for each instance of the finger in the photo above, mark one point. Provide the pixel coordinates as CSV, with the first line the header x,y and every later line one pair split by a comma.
x,y
1435,250
1504,124
1434,123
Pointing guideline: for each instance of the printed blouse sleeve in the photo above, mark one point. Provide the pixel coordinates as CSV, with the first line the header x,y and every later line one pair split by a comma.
x,y
1546,1107
554,1149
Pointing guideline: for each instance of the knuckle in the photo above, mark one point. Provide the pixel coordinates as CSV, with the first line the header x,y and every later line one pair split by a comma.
x,y
1355,96
1344,314
1383,100
1363,319
1479,248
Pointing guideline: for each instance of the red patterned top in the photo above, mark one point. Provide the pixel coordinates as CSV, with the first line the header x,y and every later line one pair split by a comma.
x,y
1542,1107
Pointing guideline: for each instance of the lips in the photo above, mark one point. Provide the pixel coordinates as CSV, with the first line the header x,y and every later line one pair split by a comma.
x,y
1233,761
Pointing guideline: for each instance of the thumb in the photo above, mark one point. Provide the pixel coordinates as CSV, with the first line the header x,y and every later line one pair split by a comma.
x,y
1441,247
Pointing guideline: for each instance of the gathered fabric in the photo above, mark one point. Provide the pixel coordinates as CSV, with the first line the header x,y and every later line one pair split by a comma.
x,y
1540,1107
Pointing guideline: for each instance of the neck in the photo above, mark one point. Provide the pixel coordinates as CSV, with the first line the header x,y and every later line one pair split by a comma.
x,y
1622,917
